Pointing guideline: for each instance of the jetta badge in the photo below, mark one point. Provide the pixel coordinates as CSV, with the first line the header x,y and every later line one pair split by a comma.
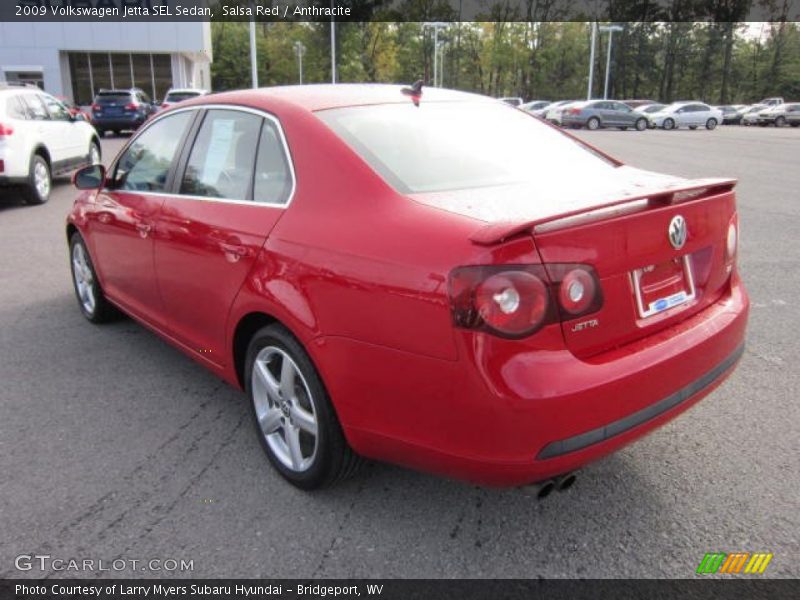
x,y
677,232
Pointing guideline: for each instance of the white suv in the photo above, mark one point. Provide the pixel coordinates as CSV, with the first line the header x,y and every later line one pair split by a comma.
x,y
39,139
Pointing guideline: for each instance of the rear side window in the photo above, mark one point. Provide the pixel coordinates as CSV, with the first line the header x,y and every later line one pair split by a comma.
x,y
273,182
146,163
180,96
15,108
223,157
35,108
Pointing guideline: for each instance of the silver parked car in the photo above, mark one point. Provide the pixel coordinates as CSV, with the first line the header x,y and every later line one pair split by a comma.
x,y
750,114
772,115
686,114
536,107
594,114
793,114
555,110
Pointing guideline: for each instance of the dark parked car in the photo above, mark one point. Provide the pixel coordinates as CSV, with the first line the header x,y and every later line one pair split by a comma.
x,y
119,110
731,115
594,114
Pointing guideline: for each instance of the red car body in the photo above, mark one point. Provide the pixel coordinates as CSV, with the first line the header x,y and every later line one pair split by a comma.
x,y
363,276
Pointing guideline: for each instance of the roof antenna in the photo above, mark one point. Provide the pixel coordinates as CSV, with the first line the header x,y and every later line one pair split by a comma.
x,y
415,91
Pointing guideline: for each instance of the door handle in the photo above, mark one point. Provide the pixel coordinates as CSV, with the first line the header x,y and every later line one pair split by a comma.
x,y
233,251
144,229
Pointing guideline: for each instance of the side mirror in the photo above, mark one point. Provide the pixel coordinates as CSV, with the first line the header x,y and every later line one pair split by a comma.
x,y
90,178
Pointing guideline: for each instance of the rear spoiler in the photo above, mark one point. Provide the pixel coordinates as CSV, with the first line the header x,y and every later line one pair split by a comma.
x,y
494,233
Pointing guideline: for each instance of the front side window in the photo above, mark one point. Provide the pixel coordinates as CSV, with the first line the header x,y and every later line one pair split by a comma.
x,y
146,163
441,146
55,109
223,157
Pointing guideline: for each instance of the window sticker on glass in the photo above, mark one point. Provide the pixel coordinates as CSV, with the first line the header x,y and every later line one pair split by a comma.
x,y
220,147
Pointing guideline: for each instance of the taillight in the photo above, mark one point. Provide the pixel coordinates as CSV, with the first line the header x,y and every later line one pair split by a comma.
x,y
131,106
574,111
515,301
6,130
96,107
732,239
165,105
2,166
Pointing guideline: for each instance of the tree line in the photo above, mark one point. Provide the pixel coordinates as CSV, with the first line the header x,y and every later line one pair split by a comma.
x,y
717,62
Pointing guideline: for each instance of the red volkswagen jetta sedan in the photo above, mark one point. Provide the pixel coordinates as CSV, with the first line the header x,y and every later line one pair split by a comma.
x,y
429,278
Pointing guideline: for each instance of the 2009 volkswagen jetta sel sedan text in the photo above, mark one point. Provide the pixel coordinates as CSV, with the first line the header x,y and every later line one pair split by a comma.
x,y
419,276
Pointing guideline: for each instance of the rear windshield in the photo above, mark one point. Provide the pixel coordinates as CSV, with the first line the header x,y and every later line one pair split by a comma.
x,y
457,145
180,96
113,97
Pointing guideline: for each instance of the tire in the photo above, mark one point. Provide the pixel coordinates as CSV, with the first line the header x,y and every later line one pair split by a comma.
x,y
622,128
711,124
692,127
100,132
780,121
668,124
305,460
95,153
40,181
593,124
91,299
795,124
641,124
117,132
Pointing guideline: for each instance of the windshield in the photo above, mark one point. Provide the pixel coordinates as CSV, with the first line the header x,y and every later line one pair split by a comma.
x,y
458,145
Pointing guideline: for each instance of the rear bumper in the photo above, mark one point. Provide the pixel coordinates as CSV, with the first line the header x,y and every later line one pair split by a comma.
x,y
6,180
118,122
508,419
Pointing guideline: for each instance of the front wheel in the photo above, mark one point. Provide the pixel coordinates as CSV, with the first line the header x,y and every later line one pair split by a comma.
x,y
91,299
711,124
593,123
641,124
780,121
668,124
293,415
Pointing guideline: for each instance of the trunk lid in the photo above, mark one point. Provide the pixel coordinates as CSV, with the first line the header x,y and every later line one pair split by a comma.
x,y
621,228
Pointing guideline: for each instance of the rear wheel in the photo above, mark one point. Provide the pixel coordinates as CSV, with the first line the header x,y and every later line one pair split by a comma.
x,y
40,181
780,121
711,124
91,299
593,123
641,124
293,415
668,124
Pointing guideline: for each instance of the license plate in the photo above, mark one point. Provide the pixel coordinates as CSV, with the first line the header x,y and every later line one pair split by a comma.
x,y
658,288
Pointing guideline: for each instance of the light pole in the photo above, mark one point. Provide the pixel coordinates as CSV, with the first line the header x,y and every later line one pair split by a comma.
x,y
610,29
591,61
253,50
300,49
436,26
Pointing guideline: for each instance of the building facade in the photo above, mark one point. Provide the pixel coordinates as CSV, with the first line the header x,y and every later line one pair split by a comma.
x,y
75,60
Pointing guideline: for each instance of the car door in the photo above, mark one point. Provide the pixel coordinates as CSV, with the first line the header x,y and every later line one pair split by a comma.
x,y
47,132
123,216
235,182
625,115
74,145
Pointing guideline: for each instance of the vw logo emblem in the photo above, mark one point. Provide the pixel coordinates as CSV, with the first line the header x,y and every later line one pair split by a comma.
x,y
677,232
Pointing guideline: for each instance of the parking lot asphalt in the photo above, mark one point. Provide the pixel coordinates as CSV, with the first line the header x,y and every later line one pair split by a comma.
x,y
114,445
